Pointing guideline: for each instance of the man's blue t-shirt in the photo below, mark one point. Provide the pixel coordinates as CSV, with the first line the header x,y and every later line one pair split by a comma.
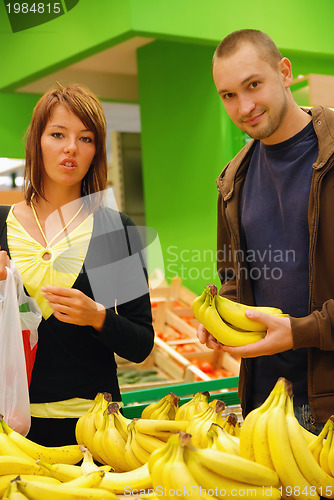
x,y
274,208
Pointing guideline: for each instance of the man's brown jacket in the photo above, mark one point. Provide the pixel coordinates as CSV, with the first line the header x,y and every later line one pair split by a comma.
x,y
315,331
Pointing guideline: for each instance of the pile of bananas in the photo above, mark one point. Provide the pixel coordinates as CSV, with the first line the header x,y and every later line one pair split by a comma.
x,y
180,469
226,320
272,436
29,470
322,447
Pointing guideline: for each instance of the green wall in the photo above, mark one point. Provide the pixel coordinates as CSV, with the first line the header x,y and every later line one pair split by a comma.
x,y
16,110
182,130
186,136
91,27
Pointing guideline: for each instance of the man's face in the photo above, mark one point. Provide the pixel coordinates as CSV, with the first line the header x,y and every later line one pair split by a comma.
x,y
254,94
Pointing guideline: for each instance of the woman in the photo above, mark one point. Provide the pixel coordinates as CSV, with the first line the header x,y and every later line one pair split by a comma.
x,y
81,261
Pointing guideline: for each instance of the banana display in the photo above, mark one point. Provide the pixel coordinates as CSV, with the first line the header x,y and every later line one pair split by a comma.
x,y
272,436
179,468
226,320
200,450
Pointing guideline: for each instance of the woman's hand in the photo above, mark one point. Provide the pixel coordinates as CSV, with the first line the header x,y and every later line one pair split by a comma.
x,y
4,262
278,338
72,306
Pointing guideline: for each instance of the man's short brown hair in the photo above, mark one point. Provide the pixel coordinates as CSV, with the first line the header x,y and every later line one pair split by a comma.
x,y
263,43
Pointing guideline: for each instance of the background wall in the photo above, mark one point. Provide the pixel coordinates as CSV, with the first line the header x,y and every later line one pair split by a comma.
x,y
186,136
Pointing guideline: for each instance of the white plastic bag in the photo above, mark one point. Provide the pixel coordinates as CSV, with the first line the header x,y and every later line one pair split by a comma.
x,y
14,394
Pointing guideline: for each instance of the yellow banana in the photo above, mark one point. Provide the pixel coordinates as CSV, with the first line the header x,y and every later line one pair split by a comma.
x,y
331,454
199,301
234,313
112,444
195,405
107,399
219,439
152,427
18,465
40,491
156,465
127,482
323,458
131,459
79,428
200,313
201,423
311,470
176,476
90,480
149,443
283,458
96,447
317,444
232,467
149,409
8,447
158,411
309,436
140,453
225,487
121,424
69,454
88,465
7,478
247,429
12,492
224,333
260,436
62,472
230,424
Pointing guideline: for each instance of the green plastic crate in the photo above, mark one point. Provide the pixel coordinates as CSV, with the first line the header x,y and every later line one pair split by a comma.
x,y
136,401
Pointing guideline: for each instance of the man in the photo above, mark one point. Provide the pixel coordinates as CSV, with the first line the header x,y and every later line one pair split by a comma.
x,y
275,229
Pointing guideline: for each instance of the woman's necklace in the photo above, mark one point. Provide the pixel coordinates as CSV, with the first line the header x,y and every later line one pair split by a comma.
x,y
63,229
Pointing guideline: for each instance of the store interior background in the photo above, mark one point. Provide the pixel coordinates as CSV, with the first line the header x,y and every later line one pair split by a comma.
x,y
149,61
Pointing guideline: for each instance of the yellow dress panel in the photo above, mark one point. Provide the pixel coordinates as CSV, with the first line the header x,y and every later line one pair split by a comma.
x,y
64,266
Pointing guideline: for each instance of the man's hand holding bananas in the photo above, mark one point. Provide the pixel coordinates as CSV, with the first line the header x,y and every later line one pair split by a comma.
x,y
242,330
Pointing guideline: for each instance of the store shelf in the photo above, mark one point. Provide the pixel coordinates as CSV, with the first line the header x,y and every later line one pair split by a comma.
x,y
136,401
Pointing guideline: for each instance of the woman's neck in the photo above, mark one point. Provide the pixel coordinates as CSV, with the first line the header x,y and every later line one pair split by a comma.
x,y
56,200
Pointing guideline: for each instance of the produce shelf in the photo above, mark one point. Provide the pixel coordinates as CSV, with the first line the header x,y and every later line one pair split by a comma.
x,y
136,401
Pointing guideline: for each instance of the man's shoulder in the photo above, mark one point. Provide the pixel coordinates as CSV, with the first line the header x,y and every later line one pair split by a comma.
x,y
226,178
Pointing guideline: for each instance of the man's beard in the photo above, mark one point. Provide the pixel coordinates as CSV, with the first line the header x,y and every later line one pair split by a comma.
x,y
271,127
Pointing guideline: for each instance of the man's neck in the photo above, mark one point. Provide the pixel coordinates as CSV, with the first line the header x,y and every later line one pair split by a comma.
x,y
293,122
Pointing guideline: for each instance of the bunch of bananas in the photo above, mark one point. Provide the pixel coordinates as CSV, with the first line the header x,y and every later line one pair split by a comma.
x,y
226,320
55,468
179,468
219,439
86,486
165,409
103,430
115,482
14,444
272,436
30,470
122,443
322,447
195,405
200,424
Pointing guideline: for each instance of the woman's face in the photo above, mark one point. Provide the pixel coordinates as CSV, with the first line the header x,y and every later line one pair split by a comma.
x,y
68,150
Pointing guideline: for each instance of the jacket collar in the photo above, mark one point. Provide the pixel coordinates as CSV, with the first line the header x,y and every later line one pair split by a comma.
x,y
323,122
